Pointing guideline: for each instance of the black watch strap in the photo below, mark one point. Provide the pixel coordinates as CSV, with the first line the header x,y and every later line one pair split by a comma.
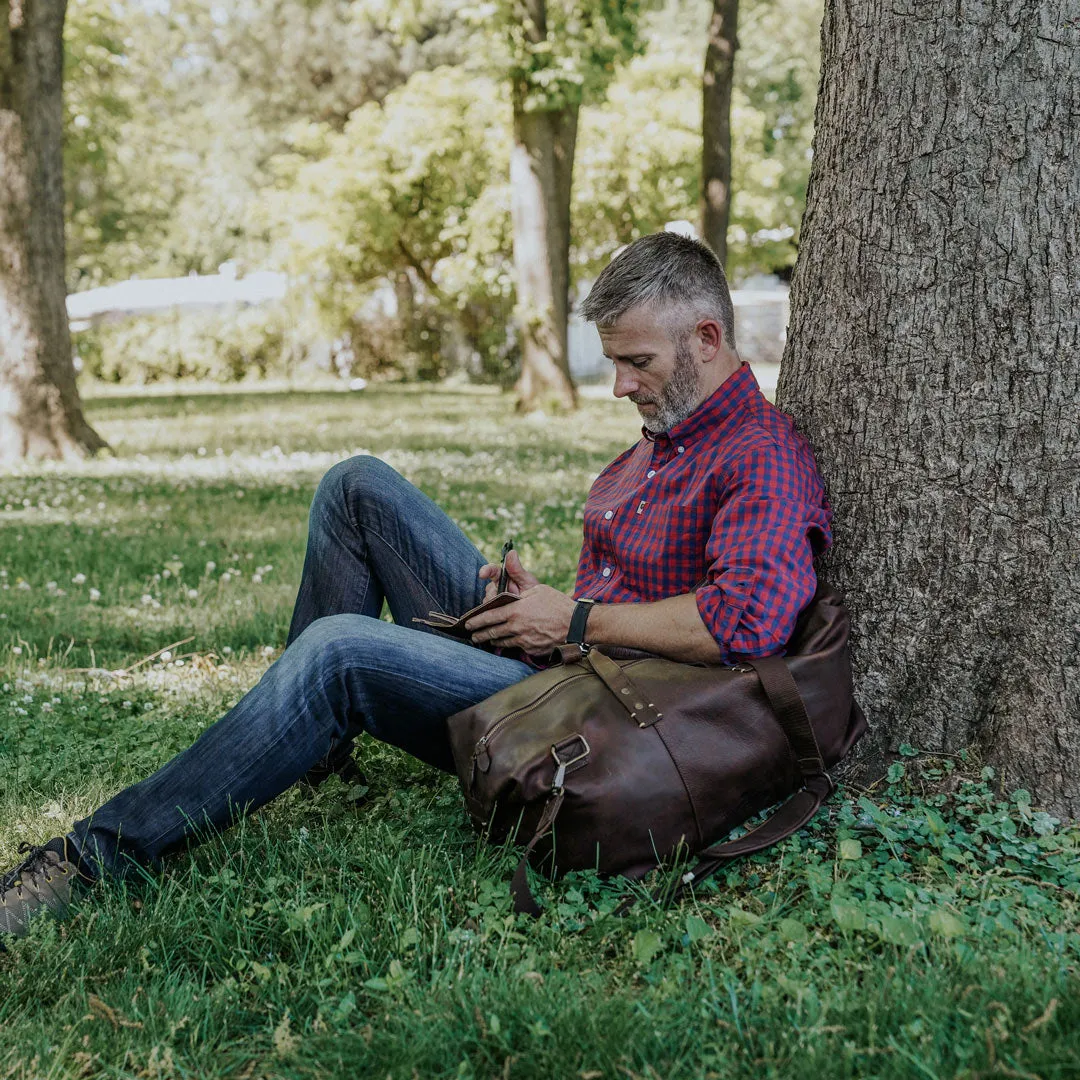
x,y
576,636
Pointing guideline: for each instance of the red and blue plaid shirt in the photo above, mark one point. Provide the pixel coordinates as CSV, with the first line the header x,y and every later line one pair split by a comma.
x,y
732,497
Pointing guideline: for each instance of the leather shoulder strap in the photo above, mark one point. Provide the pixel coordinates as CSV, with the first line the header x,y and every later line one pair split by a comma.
x,y
799,809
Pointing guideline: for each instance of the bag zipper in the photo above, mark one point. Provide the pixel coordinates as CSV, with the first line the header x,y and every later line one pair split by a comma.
x,y
483,742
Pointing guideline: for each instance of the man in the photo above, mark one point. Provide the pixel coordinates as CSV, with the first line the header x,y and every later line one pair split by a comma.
x,y
698,545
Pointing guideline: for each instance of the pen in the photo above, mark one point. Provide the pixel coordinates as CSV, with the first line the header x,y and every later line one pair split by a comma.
x,y
504,576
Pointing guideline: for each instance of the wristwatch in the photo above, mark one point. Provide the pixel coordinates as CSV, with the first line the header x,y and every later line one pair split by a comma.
x,y
576,636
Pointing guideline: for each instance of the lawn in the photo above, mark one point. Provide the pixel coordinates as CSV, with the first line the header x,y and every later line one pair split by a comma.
x,y
926,928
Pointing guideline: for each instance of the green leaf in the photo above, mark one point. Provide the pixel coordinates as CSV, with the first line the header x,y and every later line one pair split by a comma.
x,y
741,917
896,772
848,916
697,929
946,924
907,750
850,850
899,931
646,945
792,930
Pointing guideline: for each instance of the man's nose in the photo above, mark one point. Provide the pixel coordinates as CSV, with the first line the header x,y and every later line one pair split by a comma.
x,y
625,383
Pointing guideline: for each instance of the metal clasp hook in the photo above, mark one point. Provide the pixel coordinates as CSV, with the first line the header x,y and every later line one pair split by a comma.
x,y
560,771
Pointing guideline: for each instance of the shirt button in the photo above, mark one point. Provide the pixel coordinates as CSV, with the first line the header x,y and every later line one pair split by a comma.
x,y
651,473
680,449
609,515
607,571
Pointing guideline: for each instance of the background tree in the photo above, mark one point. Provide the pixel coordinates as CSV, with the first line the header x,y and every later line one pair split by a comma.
x,y
933,359
40,411
559,51
717,84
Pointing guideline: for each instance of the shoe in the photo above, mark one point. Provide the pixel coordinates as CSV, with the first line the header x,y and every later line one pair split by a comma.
x,y
45,879
338,762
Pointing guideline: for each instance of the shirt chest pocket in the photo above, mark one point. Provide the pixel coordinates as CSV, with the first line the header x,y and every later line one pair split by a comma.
x,y
661,547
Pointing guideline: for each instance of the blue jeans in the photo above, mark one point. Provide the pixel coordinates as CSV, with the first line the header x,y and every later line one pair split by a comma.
x,y
373,537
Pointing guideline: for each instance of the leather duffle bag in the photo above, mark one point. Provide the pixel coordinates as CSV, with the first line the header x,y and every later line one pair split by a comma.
x,y
619,763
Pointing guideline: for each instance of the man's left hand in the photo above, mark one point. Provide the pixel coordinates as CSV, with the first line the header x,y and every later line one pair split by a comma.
x,y
538,622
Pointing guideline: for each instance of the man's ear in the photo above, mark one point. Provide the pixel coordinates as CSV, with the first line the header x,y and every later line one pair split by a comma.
x,y
710,335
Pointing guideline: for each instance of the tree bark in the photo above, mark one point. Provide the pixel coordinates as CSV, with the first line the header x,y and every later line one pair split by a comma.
x,y
541,171
40,411
933,360
716,125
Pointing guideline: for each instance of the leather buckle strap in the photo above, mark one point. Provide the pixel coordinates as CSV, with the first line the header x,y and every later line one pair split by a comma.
x,y
631,697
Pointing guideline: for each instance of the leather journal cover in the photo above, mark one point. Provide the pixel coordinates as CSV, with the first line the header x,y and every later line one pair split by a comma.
x,y
455,625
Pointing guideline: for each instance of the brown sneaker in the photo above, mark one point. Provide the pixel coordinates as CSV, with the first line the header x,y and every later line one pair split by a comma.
x,y
43,880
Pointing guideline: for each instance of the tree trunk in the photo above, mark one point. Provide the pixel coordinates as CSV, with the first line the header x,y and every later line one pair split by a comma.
x,y
541,171
716,125
40,411
933,359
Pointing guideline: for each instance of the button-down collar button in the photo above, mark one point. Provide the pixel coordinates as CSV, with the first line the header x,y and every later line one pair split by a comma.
x,y
609,515
680,449
651,473
607,571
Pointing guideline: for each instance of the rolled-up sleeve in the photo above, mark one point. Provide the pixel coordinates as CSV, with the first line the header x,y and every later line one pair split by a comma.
x,y
771,521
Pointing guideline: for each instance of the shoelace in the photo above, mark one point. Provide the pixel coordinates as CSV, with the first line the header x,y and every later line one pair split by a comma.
x,y
35,860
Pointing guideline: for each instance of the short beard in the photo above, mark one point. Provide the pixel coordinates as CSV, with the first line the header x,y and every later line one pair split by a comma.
x,y
678,396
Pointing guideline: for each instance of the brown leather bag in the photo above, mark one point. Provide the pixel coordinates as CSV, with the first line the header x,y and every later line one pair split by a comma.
x,y
641,758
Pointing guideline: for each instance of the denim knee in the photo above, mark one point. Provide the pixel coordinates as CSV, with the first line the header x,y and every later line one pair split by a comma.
x,y
352,482
325,643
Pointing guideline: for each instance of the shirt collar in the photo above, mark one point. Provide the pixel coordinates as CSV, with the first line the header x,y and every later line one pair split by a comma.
x,y
736,390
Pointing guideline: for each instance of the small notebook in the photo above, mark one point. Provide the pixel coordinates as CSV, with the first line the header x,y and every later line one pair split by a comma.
x,y
455,626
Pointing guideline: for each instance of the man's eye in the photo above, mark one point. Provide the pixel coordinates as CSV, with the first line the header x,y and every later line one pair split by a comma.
x,y
641,363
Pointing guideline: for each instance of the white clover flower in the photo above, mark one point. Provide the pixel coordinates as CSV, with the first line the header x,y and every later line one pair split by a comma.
x,y
166,573
50,585
95,594
147,599
166,655
17,650
147,706
46,707
227,650
79,579
268,650
211,566
22,586
193,594
256,579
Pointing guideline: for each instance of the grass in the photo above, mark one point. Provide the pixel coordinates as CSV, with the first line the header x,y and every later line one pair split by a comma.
x,y
924,929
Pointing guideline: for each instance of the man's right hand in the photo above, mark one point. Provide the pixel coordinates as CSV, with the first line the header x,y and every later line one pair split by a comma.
x,y
519,579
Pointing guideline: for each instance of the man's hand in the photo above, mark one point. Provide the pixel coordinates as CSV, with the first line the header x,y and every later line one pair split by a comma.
x,y
520,579
538,622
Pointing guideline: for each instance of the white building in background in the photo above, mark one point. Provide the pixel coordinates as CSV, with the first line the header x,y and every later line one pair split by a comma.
x,y
146,296
761,310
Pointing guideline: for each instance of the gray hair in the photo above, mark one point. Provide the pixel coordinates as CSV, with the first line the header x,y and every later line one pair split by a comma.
x,y
679,278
